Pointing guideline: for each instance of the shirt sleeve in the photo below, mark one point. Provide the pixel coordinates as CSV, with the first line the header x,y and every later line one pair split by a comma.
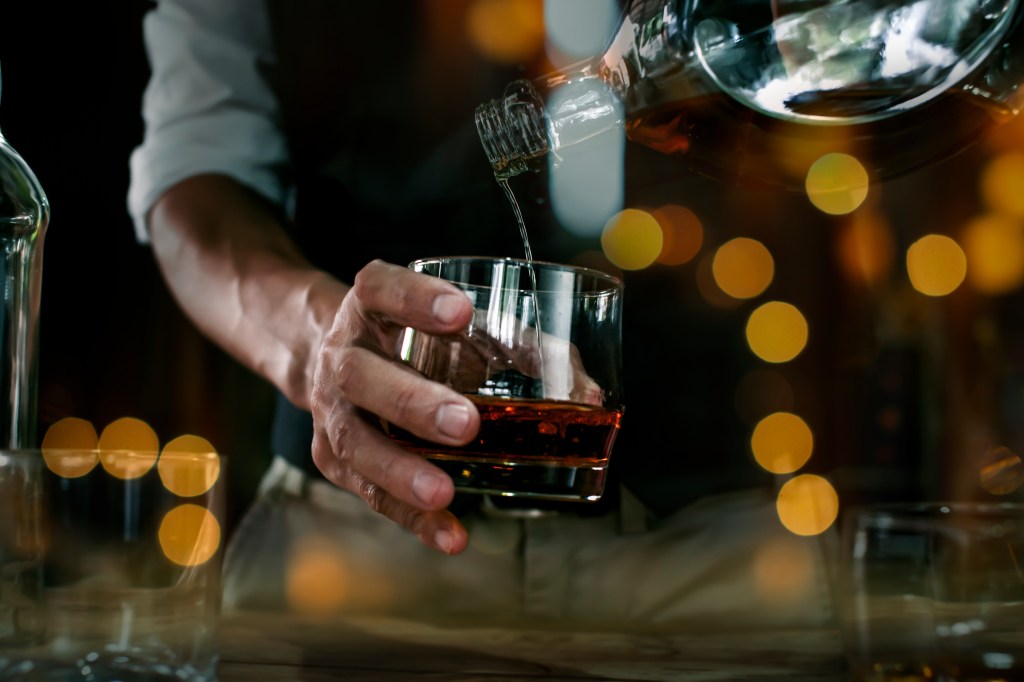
x,y
207,107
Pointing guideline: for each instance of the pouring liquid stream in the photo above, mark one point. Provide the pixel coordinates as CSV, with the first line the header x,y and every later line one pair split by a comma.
x,y
533,278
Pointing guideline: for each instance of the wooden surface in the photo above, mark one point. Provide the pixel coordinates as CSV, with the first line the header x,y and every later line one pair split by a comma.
x,y
260,647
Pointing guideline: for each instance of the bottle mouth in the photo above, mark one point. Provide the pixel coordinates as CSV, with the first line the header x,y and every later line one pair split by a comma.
x,y
512,129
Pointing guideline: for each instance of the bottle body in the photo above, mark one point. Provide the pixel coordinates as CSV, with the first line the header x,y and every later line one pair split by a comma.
x,y
754,92
24,215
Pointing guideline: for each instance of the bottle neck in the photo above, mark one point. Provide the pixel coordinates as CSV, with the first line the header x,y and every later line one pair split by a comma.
x,y
513,129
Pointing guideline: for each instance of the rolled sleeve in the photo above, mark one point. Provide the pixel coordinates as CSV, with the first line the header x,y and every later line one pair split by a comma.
x,y
207,107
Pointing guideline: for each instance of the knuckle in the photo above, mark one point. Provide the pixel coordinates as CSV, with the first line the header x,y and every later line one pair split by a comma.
x,y
376,497
346,369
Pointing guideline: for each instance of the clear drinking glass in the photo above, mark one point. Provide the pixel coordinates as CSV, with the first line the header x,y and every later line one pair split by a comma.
x,y
541,362
934,591
110,565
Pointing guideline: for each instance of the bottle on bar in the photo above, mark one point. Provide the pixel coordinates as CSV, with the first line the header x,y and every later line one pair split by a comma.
x,y
24,215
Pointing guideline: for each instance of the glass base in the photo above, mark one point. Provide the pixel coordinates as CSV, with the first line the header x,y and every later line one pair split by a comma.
x,y
543,481
106,668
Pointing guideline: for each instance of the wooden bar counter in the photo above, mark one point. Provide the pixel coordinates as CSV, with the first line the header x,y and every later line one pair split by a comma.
x,y
268,647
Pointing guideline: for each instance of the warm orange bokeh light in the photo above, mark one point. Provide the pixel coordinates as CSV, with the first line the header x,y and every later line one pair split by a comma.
x,y
994,246
777,332
506,31
189,535
1002,184
69,447
807,505
128,448
936,265
837,184
632,239
709,291
188,466
784,569
682,234
317,582
782,443
743,267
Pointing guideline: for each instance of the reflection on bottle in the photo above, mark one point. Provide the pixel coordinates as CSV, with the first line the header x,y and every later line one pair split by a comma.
x,y
24,215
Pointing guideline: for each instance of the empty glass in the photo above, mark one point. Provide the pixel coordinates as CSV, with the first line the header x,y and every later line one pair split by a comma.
x,y
110,565
934,591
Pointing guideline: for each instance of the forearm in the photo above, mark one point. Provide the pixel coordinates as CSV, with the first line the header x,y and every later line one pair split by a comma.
x,y
235,272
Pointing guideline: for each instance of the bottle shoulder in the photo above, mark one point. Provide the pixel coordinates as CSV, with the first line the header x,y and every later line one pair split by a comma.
x,y
24,207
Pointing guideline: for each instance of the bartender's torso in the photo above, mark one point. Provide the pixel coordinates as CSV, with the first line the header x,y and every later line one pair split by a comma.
x,y
378,106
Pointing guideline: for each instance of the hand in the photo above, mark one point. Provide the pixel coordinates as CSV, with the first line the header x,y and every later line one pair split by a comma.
x,y
358,380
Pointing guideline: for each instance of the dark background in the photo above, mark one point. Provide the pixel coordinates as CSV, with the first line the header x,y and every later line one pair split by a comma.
x,y
112,341
114,344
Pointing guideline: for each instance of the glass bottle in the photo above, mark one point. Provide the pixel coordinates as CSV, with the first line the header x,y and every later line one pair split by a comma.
x,y
755,91
24,215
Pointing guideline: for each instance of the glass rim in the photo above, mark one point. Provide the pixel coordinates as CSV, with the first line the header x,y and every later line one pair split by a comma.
x,y
614,283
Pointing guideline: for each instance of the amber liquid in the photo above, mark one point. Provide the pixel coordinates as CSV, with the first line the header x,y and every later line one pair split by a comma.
x,y
719,137
530,448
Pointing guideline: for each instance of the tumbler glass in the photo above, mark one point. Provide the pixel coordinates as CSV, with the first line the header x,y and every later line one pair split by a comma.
x,y
934,591
541,362
110,565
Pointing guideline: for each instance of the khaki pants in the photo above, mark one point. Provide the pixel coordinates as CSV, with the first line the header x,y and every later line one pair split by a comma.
x,y
724,562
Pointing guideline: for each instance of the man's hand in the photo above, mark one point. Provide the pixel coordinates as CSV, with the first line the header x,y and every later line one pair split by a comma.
x,y
358,379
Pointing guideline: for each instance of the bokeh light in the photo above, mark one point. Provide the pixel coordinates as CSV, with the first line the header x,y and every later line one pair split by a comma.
x,y
317,581
784,569
128,448
743,267
1001,471
782,442
994,247
776,332
188,466
936,265
578,28
865,248
837,184
707,287
632,239
682,234
189,535
506,31
807,505
69,447
1002,184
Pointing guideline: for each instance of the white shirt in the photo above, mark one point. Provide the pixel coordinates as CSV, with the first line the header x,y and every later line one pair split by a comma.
x,y
207,107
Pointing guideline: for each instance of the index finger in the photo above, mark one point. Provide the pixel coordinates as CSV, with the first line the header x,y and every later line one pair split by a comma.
x,y
407,298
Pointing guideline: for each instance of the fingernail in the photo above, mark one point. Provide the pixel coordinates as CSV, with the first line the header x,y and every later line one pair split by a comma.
x,y
447,307
443,541
426,486
453,419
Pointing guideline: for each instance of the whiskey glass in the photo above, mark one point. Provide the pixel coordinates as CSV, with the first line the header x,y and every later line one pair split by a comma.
x,y
541,361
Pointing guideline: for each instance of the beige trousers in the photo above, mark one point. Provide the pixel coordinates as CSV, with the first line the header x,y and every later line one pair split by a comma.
x,y
723,562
